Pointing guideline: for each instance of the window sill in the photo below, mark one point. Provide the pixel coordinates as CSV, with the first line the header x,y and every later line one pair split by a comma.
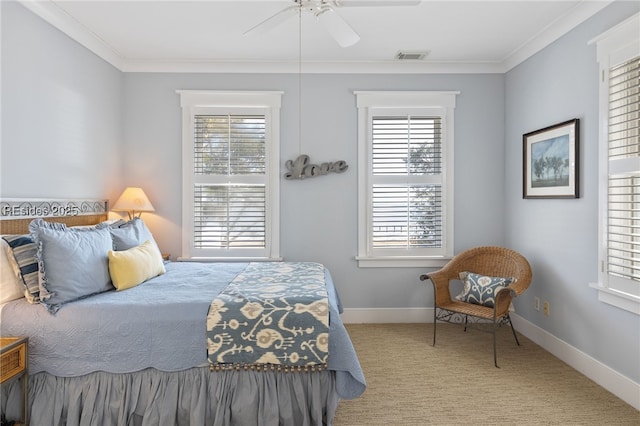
x,y
228,259
626,301
401,262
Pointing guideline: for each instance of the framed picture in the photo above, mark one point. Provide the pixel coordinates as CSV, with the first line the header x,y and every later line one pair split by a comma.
x,y
550,161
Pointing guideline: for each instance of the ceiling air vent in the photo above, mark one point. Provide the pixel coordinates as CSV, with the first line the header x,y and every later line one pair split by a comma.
x,y
411,56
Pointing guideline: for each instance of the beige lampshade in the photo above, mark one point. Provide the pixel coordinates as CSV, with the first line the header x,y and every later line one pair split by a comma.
x,y
133,200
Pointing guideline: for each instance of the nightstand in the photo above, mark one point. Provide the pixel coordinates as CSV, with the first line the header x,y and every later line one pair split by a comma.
x,y
14,366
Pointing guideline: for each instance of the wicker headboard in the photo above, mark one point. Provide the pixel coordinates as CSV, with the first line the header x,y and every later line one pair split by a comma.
x,y
16,214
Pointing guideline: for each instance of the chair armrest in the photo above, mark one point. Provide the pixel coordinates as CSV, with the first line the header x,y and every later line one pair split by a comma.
x,y
503,301
440,280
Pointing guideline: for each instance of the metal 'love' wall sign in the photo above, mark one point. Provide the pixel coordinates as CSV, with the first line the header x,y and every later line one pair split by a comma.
x,y
301,168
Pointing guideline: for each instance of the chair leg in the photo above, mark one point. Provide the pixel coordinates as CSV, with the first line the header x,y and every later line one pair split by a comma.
x,y
495,355
466,321
434,325
513,330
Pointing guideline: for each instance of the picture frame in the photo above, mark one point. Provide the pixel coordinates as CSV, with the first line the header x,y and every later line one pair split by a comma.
x,y
551,161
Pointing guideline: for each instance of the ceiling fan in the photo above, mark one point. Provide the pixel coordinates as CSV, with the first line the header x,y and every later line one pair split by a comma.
x,y
325,13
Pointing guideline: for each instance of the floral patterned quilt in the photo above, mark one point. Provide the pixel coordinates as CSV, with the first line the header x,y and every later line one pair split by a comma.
x,y
272,313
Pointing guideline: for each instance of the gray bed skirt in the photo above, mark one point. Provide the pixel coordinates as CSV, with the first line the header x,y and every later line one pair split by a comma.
x,y
190,397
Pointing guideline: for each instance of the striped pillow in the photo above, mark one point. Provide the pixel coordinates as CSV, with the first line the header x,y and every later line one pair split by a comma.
x,y
22,254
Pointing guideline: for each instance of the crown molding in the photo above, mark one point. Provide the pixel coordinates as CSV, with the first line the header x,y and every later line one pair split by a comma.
x,y
311,67
61,20
579,14
57,17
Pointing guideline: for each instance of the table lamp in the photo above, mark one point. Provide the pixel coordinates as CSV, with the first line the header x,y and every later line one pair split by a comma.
x,y
131,201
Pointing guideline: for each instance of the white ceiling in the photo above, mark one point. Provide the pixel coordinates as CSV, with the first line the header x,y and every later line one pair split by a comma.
x,y
207,36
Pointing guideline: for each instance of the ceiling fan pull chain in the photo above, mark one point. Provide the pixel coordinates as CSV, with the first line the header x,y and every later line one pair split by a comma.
x,y
300,79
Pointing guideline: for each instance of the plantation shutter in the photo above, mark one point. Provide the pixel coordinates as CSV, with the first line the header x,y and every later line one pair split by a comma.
x,y
406,182
229,181
623,205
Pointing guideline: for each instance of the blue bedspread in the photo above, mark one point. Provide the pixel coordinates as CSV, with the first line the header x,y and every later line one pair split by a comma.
x,y
158,324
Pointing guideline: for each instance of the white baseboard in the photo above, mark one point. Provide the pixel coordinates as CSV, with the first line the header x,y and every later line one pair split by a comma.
x,y
619,385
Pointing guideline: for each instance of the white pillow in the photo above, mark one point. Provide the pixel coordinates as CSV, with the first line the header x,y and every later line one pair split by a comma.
x,y
10,286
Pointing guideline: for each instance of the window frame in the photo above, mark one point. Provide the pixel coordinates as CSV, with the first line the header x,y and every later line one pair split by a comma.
x,y
197,102
403,103
614,47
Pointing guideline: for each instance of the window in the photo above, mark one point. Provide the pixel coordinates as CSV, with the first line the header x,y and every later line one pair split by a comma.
x,y
230,174
619,240
405,175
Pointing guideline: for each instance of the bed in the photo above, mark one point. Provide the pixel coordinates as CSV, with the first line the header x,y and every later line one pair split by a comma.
x,y
152,353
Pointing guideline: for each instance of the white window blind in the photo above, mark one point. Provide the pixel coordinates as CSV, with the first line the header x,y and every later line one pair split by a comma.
x,y
618,51
407,210
230,174
230,214
405,178
623,206
229,145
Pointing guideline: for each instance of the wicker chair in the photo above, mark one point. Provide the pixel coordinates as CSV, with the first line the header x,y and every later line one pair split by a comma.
x,y
489,261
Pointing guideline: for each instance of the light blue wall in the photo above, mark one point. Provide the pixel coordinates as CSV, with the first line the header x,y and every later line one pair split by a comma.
x,y
61,113
319,215
560,236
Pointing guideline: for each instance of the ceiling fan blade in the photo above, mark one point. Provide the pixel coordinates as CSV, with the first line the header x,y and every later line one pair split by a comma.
x,y
369,3
273,21
338,28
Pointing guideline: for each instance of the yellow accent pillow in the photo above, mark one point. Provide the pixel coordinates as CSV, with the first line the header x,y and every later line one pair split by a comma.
x,y
128,268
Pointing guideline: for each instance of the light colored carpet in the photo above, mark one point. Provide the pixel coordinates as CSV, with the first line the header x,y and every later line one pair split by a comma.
x,y
410,382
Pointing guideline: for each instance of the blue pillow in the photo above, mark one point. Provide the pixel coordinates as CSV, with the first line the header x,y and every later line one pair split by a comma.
x,y
73,262
126,235
480,289
22,254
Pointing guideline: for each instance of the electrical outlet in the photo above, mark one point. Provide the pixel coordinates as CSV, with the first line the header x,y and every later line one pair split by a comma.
x,y
546,308
536,303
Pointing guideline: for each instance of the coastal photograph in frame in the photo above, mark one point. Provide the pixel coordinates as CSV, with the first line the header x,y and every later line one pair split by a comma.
x,y
550,161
